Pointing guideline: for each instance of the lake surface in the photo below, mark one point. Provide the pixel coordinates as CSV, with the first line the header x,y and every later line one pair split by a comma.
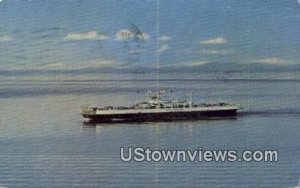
x,y
44,141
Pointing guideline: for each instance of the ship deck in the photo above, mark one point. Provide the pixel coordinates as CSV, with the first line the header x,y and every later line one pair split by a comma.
x,y
160,114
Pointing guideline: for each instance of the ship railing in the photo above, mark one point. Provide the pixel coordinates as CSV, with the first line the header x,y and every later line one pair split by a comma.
x,y
114,108
87,110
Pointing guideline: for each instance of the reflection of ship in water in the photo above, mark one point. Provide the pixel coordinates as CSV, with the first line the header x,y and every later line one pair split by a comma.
x,y
159,109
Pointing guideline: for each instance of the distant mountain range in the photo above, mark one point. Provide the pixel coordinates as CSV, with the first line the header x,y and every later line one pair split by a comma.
x,y
234,67
209,67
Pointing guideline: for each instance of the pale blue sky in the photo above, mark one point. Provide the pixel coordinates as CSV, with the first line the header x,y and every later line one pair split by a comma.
x,y
85,34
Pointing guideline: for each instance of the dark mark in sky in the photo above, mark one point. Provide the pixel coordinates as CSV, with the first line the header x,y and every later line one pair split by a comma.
x,y
134,43
137,33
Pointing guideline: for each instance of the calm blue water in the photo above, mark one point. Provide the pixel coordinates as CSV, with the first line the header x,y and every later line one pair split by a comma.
x,y
44,142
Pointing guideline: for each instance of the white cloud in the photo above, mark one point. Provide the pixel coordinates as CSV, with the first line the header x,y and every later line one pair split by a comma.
x,y
146,36
92,35
216,52
95,63
164,38
5,38
136,51
101,63
191,64
271,61
125,34
55,65
44,66
163,48
214,41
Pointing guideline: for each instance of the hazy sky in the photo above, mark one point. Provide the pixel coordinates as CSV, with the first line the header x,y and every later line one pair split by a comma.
x,y
76,34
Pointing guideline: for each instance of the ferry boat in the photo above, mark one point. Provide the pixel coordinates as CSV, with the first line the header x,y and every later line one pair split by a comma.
x,y
158,109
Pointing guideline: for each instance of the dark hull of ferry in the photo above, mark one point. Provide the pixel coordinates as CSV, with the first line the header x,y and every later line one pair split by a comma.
x,y
165,116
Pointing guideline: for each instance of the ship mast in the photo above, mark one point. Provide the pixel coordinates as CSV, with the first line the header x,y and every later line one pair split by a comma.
x,y
157,52
157,47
